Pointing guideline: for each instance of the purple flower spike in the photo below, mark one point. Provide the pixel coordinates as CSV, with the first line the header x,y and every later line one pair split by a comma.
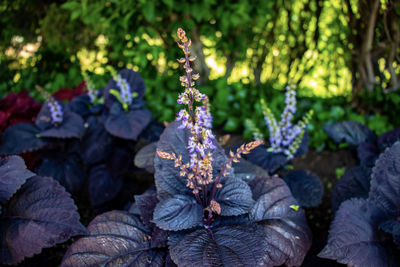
x,y
125,89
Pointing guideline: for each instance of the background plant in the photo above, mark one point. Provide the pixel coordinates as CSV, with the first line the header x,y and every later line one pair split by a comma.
x,y
267,45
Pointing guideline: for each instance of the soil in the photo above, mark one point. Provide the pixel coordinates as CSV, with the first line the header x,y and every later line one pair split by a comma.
x,y
322,163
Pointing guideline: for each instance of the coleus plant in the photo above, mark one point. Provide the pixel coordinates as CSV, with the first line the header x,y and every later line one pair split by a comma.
x,y
72,138
35,212
363,230
200,214
287,140
356,181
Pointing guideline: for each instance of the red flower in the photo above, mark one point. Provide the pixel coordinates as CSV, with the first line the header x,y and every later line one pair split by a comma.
x,y
16,108
68,93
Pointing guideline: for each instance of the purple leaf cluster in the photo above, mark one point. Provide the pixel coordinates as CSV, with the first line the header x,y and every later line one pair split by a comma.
x,y
363,230
200,213
93,144
356,181
36,212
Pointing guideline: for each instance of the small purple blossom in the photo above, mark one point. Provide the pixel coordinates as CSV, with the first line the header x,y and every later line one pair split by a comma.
x,y
125,89
55,111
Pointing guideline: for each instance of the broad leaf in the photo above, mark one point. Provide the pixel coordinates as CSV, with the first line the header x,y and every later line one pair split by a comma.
x,y
127,125
350,132
71,127
167,178
178,213
384,194
116,238
391,226
145,157
146,203
82,106
247,171
103,187
67,172
306,187
96,142
275,202
367,153
236,245
388,139
40,215
285,230
269,161
234,197
20,138
152,132
354,183
352,238
13,174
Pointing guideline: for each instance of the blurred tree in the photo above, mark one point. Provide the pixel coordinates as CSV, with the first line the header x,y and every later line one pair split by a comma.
x,y
374,44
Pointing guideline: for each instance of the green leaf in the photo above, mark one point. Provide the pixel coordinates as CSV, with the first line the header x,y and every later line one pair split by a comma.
x,y
148,11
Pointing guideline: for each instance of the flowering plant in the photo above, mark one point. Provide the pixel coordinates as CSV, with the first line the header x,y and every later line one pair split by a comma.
x,y
200,213
284,136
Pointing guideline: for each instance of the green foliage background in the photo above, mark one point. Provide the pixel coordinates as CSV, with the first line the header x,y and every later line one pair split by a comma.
x,y
255,47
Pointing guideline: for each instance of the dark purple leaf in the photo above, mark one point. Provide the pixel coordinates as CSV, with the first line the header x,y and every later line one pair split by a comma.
x,y
388,139
96,142
269,161
20,138
134,80
146,203
238,245
82,106
127,125
384,194
178,213
71,127
159,238
352,238
116,238
247,171
13,174
40,215
263,184
167,178
102,185
306,187
234,197
275,202
145,157
350,132
391,226
354,183
367,153
120,158
152,132
67,172
285,229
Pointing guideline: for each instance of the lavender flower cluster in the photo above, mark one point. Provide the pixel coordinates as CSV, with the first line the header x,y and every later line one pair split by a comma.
x,y
55,108
284,136
125,89
198,120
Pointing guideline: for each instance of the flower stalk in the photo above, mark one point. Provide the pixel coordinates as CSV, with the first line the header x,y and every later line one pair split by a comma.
x,y
198,120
